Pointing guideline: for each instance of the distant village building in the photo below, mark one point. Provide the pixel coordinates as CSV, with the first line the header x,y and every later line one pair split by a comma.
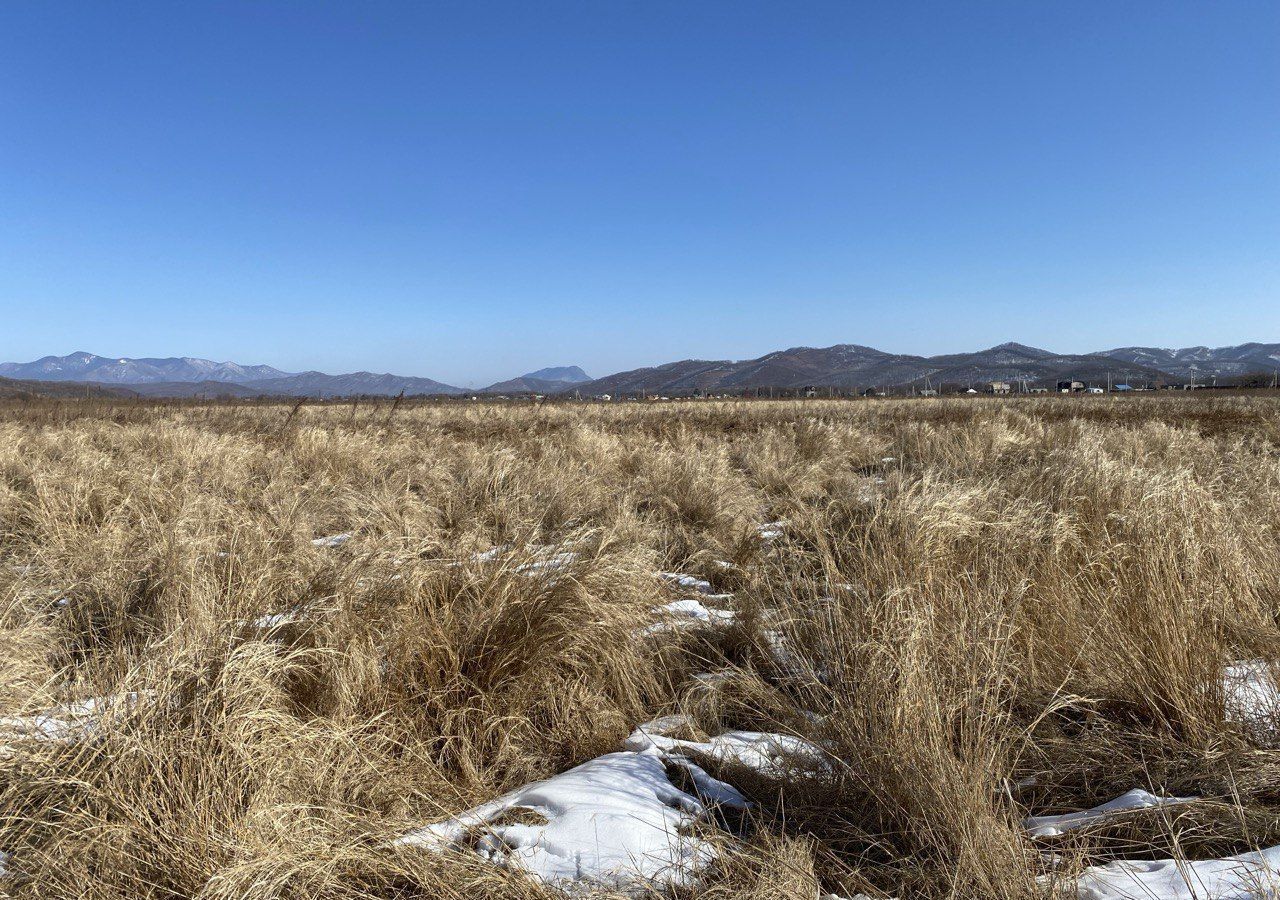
x,y
1071,387
1096,390
928,392
1001,387
871,392
810,391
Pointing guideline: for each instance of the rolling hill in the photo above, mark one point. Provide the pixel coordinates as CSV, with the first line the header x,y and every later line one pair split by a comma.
x,y
24,388
353,384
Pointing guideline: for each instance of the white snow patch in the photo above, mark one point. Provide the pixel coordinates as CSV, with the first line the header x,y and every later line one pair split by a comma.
x,y
1248,876
688,582
663,726
686,613
546,557
549,564
1252,696
771,531
67,722
274,620
333,540
774,755
1052,826
616,821
491,554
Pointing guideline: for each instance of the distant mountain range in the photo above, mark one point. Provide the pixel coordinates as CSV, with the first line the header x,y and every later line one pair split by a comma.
x,y
852,365
103,370
842,366
192,377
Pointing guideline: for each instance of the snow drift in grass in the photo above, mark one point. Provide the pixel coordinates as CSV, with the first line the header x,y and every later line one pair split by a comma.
x,y
1052,826
1248,876
616,821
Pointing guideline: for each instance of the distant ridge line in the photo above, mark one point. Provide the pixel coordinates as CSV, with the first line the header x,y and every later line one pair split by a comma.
x,y
842,366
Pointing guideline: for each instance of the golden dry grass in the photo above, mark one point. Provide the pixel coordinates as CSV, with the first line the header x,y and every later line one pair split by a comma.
x,y
991,608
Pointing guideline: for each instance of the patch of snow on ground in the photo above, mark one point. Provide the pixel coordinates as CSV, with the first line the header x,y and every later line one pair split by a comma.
x,y
333,540
616,821
1252,696
771,531
549,564
774,755
274,620
688,582
1248,876
491,554
1052,826
546,557
67,722
686,613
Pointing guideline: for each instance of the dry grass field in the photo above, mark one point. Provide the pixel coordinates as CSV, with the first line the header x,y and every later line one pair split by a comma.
x,y
942,617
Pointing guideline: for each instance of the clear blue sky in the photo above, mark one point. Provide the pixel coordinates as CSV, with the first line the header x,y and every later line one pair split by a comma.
x,y
470,190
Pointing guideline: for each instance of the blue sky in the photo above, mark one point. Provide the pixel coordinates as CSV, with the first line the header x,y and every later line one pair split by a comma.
x,y
471,190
